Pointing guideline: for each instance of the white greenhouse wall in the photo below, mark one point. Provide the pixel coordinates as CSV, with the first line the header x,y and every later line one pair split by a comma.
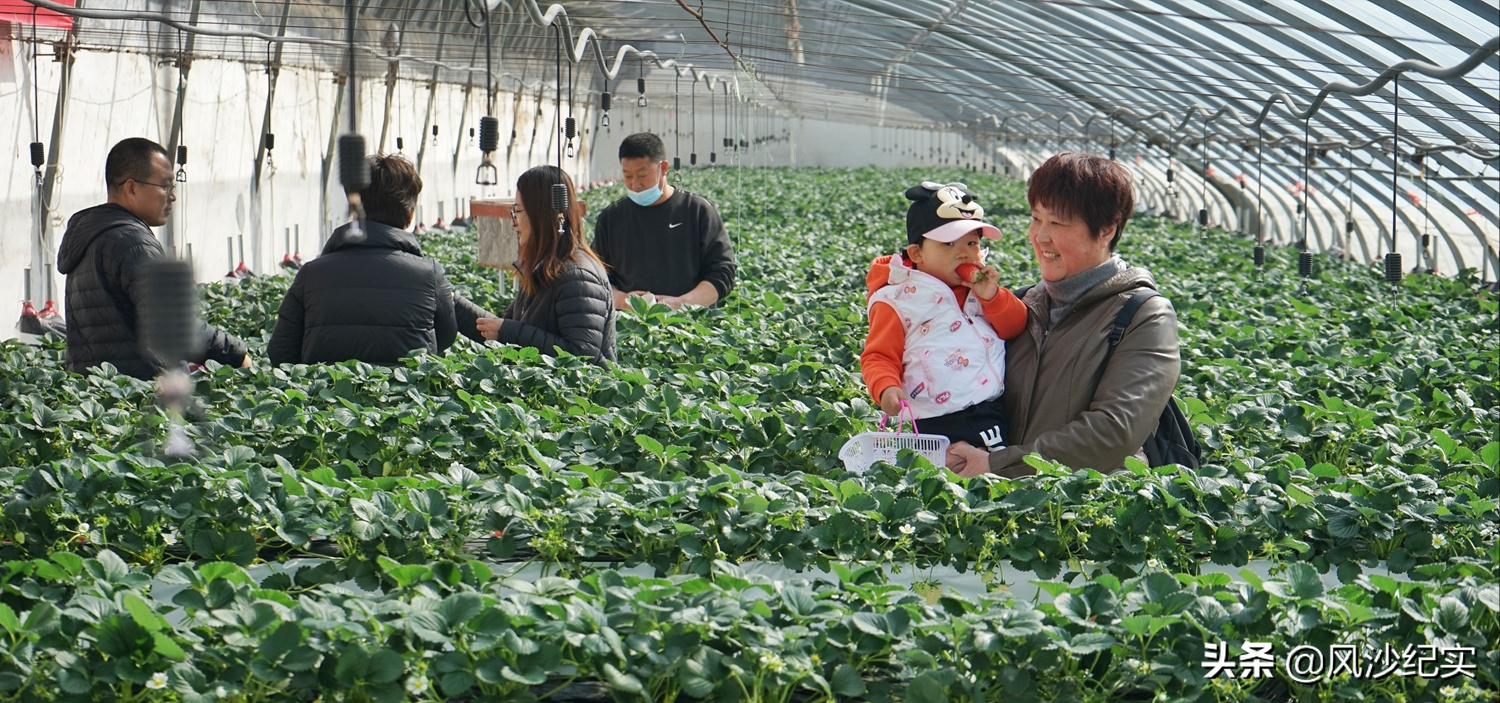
x,y
117,95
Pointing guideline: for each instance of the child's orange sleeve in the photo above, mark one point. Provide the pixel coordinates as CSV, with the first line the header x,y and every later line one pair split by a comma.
x,y
884,347
1006,313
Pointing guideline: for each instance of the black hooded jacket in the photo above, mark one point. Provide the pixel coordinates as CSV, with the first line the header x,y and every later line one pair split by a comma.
x,y
100,254
375,301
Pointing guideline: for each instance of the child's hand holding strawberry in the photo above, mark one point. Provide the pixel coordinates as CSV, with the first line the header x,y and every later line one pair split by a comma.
x,y
983,280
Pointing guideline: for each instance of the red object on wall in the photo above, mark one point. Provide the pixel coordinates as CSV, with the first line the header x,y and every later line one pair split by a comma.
x,y
21,14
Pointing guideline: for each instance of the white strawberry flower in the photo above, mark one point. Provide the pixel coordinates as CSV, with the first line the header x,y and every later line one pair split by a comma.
x,y
416,685
907,529
1439,541
157,681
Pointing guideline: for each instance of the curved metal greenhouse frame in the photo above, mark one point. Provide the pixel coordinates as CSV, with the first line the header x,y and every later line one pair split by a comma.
x,y
1162,74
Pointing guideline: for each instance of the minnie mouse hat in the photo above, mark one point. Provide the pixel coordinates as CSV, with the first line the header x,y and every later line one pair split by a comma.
x,y
944,213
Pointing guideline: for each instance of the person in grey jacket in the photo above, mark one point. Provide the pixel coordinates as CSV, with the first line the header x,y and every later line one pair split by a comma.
x,y
375,300
565,301
1064,402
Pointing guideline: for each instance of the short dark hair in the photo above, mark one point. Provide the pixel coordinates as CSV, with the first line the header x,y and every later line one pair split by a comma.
x,y
643,145
1086,186
394,186
130,159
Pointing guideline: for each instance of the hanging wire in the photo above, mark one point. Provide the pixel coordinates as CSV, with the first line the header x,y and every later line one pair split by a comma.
x,y
1171,181
557,95
1239,213
693,127
1395,153
1111,137
489,127
1347,240
676,120
269,140
1307,157
1260,218
570,125
1427,250
1304,257
1393,258
38,155
354,170
1203,212
640,82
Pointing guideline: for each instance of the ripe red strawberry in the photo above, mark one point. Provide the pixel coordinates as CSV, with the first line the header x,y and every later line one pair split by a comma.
x,y
971,272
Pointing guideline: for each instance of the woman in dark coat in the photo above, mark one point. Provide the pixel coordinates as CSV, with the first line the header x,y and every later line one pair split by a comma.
x,y
565,301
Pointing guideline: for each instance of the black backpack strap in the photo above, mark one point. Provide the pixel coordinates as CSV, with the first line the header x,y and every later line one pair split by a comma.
x,y
1122,320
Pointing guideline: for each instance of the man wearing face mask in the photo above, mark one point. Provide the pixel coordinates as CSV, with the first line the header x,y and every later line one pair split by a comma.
x,y
661,241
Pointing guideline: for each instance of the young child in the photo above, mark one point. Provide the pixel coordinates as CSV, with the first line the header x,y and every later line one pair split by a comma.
x,y
937,338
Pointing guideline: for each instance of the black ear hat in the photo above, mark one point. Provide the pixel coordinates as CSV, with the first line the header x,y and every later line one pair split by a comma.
x,y
944,212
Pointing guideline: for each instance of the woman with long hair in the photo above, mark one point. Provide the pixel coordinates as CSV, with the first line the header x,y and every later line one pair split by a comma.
x,y
565,301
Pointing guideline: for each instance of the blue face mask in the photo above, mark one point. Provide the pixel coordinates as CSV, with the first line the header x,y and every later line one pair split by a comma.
x,y
645,198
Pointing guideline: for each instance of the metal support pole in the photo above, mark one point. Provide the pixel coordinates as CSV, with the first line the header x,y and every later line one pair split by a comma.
x,y
326,228
390,93
54,148
273,72
174,135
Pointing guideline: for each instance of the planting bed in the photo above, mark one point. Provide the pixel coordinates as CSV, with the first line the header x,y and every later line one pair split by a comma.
x,y
1350,440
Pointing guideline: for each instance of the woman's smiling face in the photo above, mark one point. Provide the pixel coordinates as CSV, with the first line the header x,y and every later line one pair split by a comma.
x,y
1063,245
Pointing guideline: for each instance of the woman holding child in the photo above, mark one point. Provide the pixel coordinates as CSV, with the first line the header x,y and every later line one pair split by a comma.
x,y
1064,402
1004,377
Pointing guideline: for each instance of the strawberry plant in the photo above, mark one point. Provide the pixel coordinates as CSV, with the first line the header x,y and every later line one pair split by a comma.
x,y
345,530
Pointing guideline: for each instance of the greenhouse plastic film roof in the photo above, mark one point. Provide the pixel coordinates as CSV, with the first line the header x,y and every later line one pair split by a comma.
x,y
1054,65
1013,77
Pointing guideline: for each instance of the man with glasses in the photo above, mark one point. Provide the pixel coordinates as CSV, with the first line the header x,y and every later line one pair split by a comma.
x,y
101,253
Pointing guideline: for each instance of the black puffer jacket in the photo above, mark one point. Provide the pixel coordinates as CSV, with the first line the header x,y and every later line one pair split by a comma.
x,y
375,301
100,253
575,313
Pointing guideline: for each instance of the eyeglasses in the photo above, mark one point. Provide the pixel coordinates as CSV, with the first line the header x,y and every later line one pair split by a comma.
x,y
170,189
513,212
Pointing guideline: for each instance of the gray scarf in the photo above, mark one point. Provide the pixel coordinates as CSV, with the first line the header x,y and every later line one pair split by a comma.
x,y
1061,295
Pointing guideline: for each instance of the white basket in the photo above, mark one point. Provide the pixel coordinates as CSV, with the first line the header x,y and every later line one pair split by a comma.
x,y
866,448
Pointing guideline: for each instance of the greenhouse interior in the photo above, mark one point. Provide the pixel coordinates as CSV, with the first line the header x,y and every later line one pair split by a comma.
x,y
362,353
